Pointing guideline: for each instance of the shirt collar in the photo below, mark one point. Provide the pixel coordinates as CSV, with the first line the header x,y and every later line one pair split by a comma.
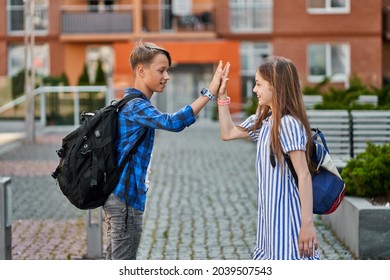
x,y
130,90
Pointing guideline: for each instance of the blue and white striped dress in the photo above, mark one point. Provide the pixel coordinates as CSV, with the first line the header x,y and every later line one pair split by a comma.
x,y
279,210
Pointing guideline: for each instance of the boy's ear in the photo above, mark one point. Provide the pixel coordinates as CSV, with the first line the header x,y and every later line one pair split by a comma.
x,y
140,70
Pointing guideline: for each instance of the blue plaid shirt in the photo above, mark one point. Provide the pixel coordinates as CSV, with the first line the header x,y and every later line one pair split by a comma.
x,y
139,116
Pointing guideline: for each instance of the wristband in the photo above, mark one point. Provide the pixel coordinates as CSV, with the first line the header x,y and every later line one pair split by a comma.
x,y
223,102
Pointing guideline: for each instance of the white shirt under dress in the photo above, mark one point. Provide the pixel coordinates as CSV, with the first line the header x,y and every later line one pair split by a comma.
x,y
279,208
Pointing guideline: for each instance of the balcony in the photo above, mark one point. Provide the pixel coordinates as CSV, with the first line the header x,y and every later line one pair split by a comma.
x,y
83,21
129,22
161,18
386,23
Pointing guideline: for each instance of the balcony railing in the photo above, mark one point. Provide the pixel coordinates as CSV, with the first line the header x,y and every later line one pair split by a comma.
x,y
84,21
161,18
119,19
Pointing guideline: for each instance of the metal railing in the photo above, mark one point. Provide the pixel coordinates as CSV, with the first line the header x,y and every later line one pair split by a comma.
x,y
75,90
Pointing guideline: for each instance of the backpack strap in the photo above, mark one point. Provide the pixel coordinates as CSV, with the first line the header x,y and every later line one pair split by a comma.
x,y
316,133
122,102
290,165
127,187
288,161
119,104
94,170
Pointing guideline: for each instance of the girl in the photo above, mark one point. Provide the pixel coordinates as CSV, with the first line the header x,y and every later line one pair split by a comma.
x,y
285,229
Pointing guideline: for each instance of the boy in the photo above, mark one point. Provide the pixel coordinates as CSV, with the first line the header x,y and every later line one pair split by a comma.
x,y
139,118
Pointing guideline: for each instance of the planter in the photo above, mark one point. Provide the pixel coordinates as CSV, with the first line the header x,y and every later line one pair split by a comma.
x,y
363,227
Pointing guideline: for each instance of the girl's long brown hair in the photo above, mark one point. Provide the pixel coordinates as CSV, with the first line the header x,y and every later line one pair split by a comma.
x,y
287,99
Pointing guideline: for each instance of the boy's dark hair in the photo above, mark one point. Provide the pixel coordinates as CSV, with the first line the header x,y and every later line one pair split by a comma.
x,y
145,52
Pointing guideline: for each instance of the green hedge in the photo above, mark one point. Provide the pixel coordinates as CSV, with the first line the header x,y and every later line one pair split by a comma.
x,y
367,175
339,99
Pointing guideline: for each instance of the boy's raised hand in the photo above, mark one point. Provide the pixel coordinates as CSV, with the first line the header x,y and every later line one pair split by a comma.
x,y
216,81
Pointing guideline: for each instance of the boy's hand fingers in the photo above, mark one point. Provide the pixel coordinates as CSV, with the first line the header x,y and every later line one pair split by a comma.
x,y
226,69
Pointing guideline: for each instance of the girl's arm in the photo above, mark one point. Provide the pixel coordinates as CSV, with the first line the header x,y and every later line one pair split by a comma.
x,y
307,235
229,130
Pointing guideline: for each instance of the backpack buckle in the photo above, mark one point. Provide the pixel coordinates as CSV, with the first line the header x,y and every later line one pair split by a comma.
x,y
60,153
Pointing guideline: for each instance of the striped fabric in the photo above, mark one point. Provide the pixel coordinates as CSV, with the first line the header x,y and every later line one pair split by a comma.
x,y
279,211
137,116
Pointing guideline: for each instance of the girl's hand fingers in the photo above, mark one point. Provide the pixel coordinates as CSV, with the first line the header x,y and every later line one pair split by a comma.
x,y
222,88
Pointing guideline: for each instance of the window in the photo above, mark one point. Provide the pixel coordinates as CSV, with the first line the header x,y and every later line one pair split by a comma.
x,y
103,53
166,14
251,54
331,60
251,15
328,6
16,59
15,12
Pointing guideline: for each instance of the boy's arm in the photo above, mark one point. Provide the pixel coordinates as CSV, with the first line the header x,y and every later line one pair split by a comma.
x,y
201,101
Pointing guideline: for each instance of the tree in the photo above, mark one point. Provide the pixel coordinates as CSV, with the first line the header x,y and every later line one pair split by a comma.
x,y
84,78
100,75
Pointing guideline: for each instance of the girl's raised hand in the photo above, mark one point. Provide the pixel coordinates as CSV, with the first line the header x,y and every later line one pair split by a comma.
x,y
224,79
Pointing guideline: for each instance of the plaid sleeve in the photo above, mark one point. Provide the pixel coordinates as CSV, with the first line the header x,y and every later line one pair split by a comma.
x,y
143,113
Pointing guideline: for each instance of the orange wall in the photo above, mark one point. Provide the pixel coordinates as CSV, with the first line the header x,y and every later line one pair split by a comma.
x,y
74,59
188,53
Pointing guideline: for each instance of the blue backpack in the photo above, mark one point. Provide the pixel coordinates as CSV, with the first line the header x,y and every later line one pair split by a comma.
x,y
328,186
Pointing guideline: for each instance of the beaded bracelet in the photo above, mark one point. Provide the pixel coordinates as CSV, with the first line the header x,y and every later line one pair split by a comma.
x,y
223,102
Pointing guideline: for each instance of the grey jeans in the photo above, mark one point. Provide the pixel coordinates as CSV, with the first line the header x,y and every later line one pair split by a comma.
x,y
122,241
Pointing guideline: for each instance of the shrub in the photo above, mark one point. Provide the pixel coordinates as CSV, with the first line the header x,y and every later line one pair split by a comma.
x,y
316,89
383,97
18,84
367,175
55,80
250,106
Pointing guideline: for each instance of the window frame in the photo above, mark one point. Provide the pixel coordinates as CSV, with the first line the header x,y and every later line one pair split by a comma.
x,y
328,9
335,78
40,71
254,51
93,54
250,5
40,9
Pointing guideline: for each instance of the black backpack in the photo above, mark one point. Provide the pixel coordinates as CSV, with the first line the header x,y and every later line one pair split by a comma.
x,y
87,172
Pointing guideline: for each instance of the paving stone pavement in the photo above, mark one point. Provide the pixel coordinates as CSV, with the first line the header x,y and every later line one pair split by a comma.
x,y
201,203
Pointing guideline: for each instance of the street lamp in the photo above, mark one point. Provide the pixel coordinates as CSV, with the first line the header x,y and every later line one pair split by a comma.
x,y
29,75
